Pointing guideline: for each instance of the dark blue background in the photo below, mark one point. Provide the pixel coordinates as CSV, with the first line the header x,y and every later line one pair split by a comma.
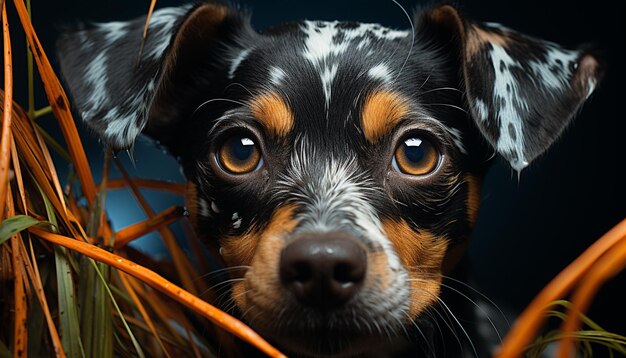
x,y
528,229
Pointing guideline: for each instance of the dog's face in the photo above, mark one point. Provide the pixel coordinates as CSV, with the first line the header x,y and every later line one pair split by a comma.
x,y
339,164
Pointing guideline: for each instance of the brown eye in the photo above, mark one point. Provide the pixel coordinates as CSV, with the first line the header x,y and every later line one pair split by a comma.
x,y
239,154
415,156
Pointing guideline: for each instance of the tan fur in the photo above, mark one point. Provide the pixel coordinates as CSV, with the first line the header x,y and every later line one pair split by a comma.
x,y
422,254
191,203
273,112
381,112
473,197
478,38
261,250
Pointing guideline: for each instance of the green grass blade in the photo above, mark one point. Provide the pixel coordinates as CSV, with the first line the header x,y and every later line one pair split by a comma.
x,y
68,308
17,223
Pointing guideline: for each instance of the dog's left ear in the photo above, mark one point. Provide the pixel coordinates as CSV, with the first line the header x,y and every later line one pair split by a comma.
x,y
521,91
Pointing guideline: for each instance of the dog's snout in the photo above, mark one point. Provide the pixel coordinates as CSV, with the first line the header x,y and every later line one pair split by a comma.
x,y
323,270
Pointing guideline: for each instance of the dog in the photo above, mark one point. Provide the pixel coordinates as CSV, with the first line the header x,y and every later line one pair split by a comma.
x,y
336,166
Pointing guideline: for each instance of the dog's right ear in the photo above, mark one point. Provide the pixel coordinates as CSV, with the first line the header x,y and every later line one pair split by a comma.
x,y
121,88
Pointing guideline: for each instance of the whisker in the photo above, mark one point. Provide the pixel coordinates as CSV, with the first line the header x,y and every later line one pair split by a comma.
x,y
482,295
225,269
440,89
217,99
469,339
240,85
446,105
412,37
493,325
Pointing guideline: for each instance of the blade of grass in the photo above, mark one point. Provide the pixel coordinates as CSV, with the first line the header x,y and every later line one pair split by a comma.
x,y
181,263
151,278
66,295
5,139
60,105
32,269
166,313
175,188
136,345
20,310
145,30
127,234
16,224
607,266
30,71
143,312
533,316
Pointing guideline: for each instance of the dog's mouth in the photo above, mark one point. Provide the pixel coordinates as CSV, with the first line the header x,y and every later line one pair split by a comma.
x,y
346,332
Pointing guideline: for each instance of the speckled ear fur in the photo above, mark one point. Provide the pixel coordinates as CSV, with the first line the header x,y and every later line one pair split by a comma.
x,y
120,92
521,91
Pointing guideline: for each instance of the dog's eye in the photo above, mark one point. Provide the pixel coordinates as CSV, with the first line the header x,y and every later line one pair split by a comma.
x,y
415,156
239,154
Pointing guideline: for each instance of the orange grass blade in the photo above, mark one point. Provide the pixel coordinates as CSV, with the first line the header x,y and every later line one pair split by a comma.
x,y
606,267
156,281
20,335
181,263
145,29
175,188
143,312
60,105
35,278
5,140
533,316
134,231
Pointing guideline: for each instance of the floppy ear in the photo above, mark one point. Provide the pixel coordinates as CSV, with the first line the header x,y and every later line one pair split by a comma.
x,y
121,88
521,91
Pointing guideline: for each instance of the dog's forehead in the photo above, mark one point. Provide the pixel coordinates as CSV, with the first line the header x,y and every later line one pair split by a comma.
x,y
322,63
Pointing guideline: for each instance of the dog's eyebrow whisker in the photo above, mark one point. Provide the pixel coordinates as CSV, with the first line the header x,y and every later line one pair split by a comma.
x,y
240,85
439,89
214,100
424,83
412,37
446,105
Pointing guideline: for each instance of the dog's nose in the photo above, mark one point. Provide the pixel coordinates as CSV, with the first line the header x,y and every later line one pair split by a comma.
x,y
323,270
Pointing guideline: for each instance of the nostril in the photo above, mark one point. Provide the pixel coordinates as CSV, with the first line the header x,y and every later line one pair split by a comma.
x,y
302,272
348,272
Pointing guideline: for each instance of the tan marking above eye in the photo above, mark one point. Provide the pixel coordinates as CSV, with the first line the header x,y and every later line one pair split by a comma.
x,y
273,112
381,112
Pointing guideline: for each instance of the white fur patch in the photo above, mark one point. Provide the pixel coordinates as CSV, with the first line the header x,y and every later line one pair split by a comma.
x,y
235,62
506,92
321,45
277,75
96,78
113,31
555,72
380,72
160,29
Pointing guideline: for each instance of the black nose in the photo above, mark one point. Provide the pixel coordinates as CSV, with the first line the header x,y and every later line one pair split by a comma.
x,y
323,270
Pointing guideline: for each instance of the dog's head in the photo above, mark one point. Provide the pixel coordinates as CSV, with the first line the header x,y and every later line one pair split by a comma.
x,y
339,163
